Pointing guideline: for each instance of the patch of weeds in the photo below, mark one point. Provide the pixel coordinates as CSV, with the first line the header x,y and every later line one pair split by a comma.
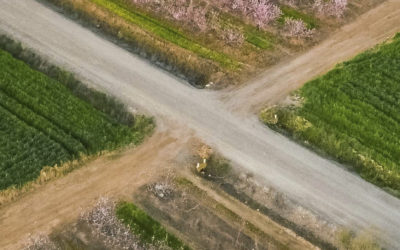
x,y
189,186
229,213
217,167
348,240
289,12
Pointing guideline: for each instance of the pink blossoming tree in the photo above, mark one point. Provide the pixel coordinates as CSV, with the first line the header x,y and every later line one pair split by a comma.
x,y
297,29
331,8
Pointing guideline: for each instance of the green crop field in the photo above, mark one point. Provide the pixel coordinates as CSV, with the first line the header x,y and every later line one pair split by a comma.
x,y
42,124
353,114
149,230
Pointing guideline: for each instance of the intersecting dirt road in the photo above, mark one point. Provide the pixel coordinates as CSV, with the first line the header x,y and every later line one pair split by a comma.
x,y
316,183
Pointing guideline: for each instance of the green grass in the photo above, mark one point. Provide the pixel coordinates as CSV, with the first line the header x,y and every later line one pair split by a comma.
x,y
353,114
165,32
259,38
288,12
42,124
149,230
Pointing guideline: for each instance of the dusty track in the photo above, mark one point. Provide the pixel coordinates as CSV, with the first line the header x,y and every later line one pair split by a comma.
x,y
42,210
277,82
317,183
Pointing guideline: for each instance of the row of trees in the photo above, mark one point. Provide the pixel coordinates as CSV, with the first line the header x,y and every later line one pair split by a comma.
x,y
203,17
259,12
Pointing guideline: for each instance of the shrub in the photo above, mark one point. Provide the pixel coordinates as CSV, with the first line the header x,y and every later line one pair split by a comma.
x,y
297,28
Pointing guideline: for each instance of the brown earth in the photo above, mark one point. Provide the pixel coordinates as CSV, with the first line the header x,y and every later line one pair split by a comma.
x,y
282,235
62,200
117,176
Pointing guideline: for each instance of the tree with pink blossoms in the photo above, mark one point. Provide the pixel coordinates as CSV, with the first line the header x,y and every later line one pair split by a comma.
x,y
259,12
263,12
232,37
297,28
180,10
331,8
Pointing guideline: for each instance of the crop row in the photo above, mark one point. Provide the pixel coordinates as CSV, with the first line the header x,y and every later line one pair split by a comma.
x,y
54,103
42,124
24,151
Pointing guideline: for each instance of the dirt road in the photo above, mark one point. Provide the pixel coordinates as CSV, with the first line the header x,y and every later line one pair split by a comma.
x,y
116,176
316,183
277,82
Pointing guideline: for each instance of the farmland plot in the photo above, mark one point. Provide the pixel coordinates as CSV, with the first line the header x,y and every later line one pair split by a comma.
x,y
353,114
43,124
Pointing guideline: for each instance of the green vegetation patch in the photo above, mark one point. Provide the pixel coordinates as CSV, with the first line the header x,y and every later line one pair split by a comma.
x,y
149,230
24,150
166,32
257,37
43,124
289,12
353,114
218,167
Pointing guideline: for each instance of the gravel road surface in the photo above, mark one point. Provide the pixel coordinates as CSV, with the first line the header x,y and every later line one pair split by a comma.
x,y
315,182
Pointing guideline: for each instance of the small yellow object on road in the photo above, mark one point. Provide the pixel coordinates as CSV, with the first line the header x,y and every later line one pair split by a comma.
x,y
201,166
